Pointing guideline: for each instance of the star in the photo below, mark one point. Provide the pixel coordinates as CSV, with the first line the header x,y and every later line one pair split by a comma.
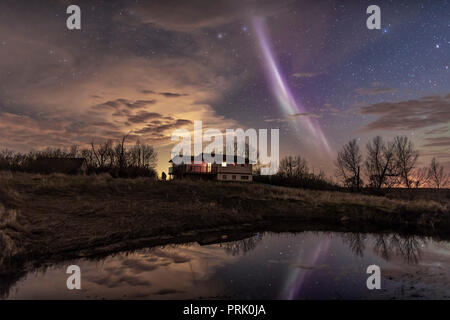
x,y
386,29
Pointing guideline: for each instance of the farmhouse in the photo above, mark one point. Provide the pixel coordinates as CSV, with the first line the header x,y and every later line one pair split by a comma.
x,y
59,165
213,171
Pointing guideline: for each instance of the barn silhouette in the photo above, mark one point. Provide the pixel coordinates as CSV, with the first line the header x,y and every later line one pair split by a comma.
x,y
59,165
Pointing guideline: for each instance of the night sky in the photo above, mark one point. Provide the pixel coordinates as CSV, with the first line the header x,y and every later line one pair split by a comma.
x,y
149,68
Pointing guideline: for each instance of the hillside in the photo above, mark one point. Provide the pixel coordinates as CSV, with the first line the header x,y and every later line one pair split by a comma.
x,y
57,215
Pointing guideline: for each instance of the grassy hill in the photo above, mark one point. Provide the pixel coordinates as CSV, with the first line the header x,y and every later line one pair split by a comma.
x,y
46,216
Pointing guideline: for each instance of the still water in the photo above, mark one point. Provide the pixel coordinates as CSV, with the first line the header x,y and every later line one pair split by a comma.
x,y
307,265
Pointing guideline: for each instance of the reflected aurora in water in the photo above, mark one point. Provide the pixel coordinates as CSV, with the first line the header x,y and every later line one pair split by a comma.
x,y
307,265
299,275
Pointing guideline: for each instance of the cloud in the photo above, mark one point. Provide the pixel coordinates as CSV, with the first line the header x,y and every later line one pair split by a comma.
x,y
437,154
161,128
375,88
187,17
437,142
173,95
60,87
143,116
111,281
305,114
167,291
375,91
329,109
409,115
293,116
306,75
440,130
275,120
118,103
165,94
55,93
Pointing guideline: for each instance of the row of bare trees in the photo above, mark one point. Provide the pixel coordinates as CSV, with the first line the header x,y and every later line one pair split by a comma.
x,y
294,171
387,164
109,157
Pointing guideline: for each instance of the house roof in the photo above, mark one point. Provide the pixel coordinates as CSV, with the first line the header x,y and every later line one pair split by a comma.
x,y
58,164
67,160
224,158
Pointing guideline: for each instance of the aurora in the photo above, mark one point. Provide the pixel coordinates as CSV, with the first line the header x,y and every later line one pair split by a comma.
x,y
281,90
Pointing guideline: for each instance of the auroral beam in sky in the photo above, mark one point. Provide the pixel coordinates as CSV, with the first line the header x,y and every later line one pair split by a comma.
x,y
281,89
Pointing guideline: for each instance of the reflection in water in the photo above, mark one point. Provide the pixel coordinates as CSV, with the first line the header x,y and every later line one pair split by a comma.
x,y
356,242
408,247
297,278
264,266
243,246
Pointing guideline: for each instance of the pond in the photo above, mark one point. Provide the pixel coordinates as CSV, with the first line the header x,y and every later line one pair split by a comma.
x,y
306,265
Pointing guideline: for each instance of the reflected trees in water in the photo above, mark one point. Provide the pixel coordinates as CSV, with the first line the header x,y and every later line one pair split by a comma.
x,y
241,247
387,246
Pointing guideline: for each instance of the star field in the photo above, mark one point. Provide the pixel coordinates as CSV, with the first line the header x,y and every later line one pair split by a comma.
x,y
206,57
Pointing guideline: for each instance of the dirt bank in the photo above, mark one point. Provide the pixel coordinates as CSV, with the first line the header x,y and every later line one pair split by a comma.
x,y
49,216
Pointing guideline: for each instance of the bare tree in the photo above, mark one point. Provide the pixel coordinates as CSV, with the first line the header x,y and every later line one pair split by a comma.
x,y
142,156
120,154
286,167
348,165
74,151
149,157
437,177
293,167
301,167
380,163
421,177
405,159
6,159
137,161
102,154
89,156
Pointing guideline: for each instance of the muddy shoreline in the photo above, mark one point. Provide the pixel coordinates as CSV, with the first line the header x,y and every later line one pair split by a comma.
x,y
20,265
46,219
14,270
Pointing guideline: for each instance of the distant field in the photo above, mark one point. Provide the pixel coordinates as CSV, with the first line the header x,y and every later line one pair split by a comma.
x,y
56,215
438,195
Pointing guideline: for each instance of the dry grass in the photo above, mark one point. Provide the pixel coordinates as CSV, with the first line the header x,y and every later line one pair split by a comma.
x,y
317,198
8,225
53,214
8,217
